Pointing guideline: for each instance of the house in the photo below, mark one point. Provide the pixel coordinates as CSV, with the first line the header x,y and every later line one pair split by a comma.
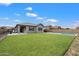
x,y
54,27
28,28
6,29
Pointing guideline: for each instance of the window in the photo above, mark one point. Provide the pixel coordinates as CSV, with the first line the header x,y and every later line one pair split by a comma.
x,y
31,28
39,29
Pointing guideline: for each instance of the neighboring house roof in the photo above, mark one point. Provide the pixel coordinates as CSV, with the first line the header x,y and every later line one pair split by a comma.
x,y
7,27
54,27
40,24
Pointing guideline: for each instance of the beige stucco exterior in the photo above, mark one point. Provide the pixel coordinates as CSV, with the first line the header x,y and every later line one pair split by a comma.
x,y
28,28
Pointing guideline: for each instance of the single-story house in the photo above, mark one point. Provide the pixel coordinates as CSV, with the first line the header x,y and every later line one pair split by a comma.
x,y
28,28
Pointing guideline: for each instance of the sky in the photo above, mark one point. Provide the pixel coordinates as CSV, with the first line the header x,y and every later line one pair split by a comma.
x,y
55,14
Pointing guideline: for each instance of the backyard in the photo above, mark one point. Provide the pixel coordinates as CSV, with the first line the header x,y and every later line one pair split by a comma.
x,y
35,45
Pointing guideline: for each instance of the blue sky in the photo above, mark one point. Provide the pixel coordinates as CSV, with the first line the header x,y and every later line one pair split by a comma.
x,y
61,14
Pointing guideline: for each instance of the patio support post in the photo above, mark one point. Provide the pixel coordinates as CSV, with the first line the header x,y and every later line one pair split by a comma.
x,y
36,29
18,29
27,29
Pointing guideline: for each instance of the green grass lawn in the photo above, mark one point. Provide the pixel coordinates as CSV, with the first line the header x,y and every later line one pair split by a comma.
x,y
35,45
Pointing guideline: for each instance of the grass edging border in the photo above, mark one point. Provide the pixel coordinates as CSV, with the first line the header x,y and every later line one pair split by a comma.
x,y
70,45
3,37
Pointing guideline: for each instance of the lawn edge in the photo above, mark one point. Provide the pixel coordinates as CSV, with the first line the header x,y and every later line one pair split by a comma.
x,y
66,52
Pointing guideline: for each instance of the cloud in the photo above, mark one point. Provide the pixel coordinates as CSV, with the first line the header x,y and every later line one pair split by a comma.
x,y
8,25
16,20
40,18
4,19
31,14
17,14
6,4
75,24
72,25
52,20
28,8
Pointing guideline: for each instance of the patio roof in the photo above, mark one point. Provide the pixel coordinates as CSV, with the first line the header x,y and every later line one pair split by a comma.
x,y
28,24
